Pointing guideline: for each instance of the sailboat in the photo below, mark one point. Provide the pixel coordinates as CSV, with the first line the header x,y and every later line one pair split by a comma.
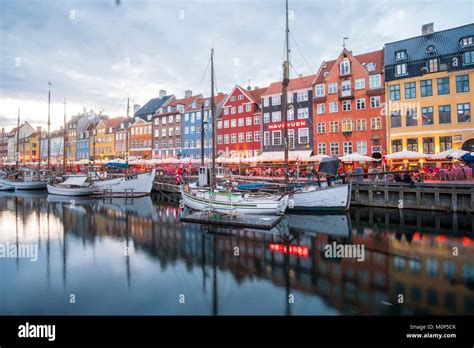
x,y
224,202
313,197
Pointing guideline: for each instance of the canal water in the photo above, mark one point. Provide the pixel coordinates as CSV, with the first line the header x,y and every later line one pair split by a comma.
x,y
135,257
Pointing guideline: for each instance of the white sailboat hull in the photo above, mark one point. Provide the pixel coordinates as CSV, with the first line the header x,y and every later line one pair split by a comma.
x,y
24,185
205,201
142,183
68,191
330,198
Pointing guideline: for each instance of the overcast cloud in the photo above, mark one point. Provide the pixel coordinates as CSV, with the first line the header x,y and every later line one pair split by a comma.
x,y
97,53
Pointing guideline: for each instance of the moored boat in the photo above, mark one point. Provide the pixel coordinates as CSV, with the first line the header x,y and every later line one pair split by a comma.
x,y
25,179
329,198
140,183
76,185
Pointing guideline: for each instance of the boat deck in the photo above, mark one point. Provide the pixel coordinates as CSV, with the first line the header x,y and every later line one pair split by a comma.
x,y
247,221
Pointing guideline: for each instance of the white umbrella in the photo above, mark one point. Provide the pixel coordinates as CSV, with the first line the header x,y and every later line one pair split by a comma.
x,y
356,157
406,155
452,153
318,158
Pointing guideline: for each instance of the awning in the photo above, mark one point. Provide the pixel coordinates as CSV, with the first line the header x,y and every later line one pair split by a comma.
x,y
279,156
406,155
74,180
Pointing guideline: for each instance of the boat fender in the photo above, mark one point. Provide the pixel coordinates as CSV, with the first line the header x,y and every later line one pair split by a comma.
x,y
291,203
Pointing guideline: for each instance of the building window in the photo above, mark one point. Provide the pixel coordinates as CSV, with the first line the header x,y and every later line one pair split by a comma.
x,y
346,105
347,147
376,123
266,117
332,88
445,143
321,148
301,96
395,92
400,55
226,138
428,145
291,138
233,138
412,144
345,67
232,98
333,107
321,127
241,137
444,114
361,125
375,102
276,116
360,104
256,136
395,119
319,90
360,83
276,137
256,120
248,137
266,101
240,97
226,123
397,145
233,123
320,109
427,116
303,113
464,112
276,100
248,121
362,147
333,127
303,135
240,109
462,83
467,41
401,69
410,90
346,125
412,118
266,138
219,139
443,85
248,107
375,81
426,88
241,122
433,65
219,124
334,148
468,58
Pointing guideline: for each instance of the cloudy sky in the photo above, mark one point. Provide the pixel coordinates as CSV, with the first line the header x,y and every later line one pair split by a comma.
x,y
96,53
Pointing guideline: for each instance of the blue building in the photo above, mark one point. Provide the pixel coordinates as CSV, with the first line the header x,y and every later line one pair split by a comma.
x,y
192,125
83,143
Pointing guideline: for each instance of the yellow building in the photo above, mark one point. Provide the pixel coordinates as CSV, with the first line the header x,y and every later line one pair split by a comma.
x,y
429,81
102,142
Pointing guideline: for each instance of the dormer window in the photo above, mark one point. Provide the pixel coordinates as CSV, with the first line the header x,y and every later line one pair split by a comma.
x,y
345,67
110,129
194,105
370,67
400,55
169,108
206,103
467,41
148,117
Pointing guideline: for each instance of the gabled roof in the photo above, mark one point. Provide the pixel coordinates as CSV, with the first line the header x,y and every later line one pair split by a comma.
x,y
184,101
217,100
257,93
369,57
303,82
152,106
113,122
444,41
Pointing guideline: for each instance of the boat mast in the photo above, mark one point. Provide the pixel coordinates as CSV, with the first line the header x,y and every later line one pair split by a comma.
x,y
64,139
284,99
49,125
127,122
18,140
213,119
202,132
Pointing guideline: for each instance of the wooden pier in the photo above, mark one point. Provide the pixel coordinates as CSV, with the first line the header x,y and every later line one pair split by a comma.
x,y
439,196
262,222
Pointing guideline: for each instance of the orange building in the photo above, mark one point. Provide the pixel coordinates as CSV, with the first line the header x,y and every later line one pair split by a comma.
x,y
141,139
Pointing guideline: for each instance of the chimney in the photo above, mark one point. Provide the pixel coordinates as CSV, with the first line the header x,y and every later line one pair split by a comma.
x,y
162,93
427,29
188,93
136,107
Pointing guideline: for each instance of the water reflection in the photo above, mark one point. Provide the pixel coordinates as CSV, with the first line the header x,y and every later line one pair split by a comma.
x,y
120,256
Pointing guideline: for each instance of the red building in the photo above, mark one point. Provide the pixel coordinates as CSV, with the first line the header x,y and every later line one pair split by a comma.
x,y
239,126
347,105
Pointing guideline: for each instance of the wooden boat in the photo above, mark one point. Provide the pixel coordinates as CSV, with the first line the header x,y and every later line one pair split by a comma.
x,y
328,198
25,179
74,185
141,183
233,202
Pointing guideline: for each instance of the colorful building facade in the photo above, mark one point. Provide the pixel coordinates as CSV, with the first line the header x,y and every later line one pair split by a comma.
x,y
141,138
429,87
347,105
240,124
